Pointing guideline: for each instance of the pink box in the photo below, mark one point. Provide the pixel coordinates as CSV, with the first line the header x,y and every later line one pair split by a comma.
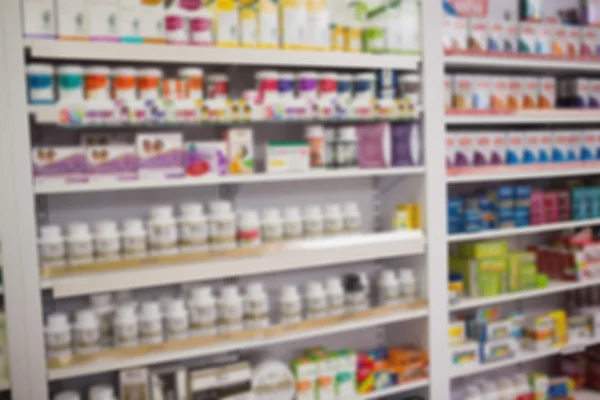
x,y
589,41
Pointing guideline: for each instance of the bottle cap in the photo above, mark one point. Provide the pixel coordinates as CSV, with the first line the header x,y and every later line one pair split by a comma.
x,y
220,207
347,133
314,287
70,395
133,226
230,291
353,283
152,72
86,317
291,213
50,232
289,291
271,214
58,319
125,71
190,71
255,288
314,132
78,229
101,300
191,209
351,207
201,293
333,209
161,212
334,285
101,392
313,211
150,309
106,228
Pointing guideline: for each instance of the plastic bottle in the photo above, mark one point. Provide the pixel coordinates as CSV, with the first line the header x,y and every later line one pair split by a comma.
x,y
102,306
107,244
266,82
218,86
125,298
133,237
79,244
248,232
97,83
70,84
330,147
272,226
356,293
222,227
125,326
336,297
150,80
125,84
40,84
86,332
352,217
230,310
150,323
52,247
162,231
364,86
290,305
176,26
203,312
177,322
256,307
68,395
507,389
193,228
316,300
490,391
389,288
58,336
313,221
292,223
193,81
346,150
408,285
473,393
333,219
101,392
315,136
201,24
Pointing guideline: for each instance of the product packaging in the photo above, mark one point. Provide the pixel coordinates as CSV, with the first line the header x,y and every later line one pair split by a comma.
x,y
545,39
589,41
39,19
152,21
240,150
169,383
317,27
248,23
293,22
287,157
305,372
465,148
160,155
573,41
530,9
112,163
134,384
559,42
463,92
515,89
594,99
448,92
226,23
530,92
268,24
455,33
497,350
129,23
515,148
406,145
590,10
104,24
482,92
547,92
528,38
499,92
66,164
478,34
374,145
206,158
73,20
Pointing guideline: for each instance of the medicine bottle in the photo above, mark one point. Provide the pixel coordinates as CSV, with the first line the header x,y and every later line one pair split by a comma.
x,y
330,147
292,223
256,307
162,231
336,297
346,154
193,229
87,332
133,239
408,285
333,219
103,307
290,305
150,323
388,288
352,217
315,136
316,300
272,226
177,320
222,227
203,312
107,244
313,221
356,293
70,395
126,298
230,310
125,326
58,336
101,392
52,247
248,232
79,244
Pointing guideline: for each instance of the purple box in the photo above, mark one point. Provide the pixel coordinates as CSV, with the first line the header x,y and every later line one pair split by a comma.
x,y
160,155
407,145
112,163
373,145
66,164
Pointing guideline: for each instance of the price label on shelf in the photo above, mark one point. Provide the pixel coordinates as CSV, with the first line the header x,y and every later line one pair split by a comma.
x,y
470,8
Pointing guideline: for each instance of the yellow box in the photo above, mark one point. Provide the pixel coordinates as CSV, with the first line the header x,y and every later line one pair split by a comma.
x,y
561,333
407,217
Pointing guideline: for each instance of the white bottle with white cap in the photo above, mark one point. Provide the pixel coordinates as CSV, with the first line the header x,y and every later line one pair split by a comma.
x,y
313,221
193,228
107,244
58,336
69,395
256,307
101,392
335,296
126,326
203,312
346,149
352,217
316,300
272,226
52,247
177,320
408,285
333,219
79,244
230,310
87,332
388,288
292,223
134,239
162,231
290,305
248,231
102,306
222,227
150,323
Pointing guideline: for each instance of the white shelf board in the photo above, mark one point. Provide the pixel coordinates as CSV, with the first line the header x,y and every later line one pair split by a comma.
x,y
527,230
58,188
587,395
153,53
519,63
379,394
542,171
101,366
553,287
562,116
296,255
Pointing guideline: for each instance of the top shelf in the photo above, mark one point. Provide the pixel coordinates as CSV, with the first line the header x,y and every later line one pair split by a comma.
x,y
157,53
514,62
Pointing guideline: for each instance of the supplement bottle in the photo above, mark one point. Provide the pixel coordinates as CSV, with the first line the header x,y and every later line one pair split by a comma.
x,y
40,84
222,228
356,293
203,312
87,332
352,217
256,307
79,244
248,232
272,226
102,306
408,285
177,321
125,327
101,392
290,305
315,136
316,300
193,229
162,231
266,83
292,223
333,220
330,137
52,247
193,83
346,155
107,244
150,323
336,297
150,82
58,336
388,288
133,239
70,395
70,84
313,221
97,83
230,310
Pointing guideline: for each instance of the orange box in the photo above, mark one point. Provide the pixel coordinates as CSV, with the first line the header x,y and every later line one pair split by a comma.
x,y
408,364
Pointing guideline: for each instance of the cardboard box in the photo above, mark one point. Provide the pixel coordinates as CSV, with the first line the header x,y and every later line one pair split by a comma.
x,y
240,150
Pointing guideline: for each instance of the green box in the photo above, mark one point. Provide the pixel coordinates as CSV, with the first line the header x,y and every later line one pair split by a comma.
x,y
522,271
306,374
480,250
482,278
345,381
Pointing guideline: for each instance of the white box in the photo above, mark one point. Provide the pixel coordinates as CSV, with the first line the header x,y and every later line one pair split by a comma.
x,y
104,24
160,155
545,143
73,19
574,146
39,19
547,92
530,92
463,92
530,148
455,33
287,157
560,146
478,34
130,21
588,145
152,20
514,148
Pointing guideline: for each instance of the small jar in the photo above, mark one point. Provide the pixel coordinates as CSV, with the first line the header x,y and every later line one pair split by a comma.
x,y
58,337
356,293
256,307
222,227
230,310
162,231
218,86
316,300
102,305
70,84
79,244
150,82
193,229
193,82
292,223
307,85
201,24
266,83
203,312
125,84
290,305
388,288
107,243
333,219
133,239
125,327
344,88
408,285
272,226
87,332
364,86
285,86
40,84
150,323
315,136
313,221
177,322
330,137
97,83
176,26
352,217
328,86
101,392
125,298
346,149
336,297
68,395
248,231
52,247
